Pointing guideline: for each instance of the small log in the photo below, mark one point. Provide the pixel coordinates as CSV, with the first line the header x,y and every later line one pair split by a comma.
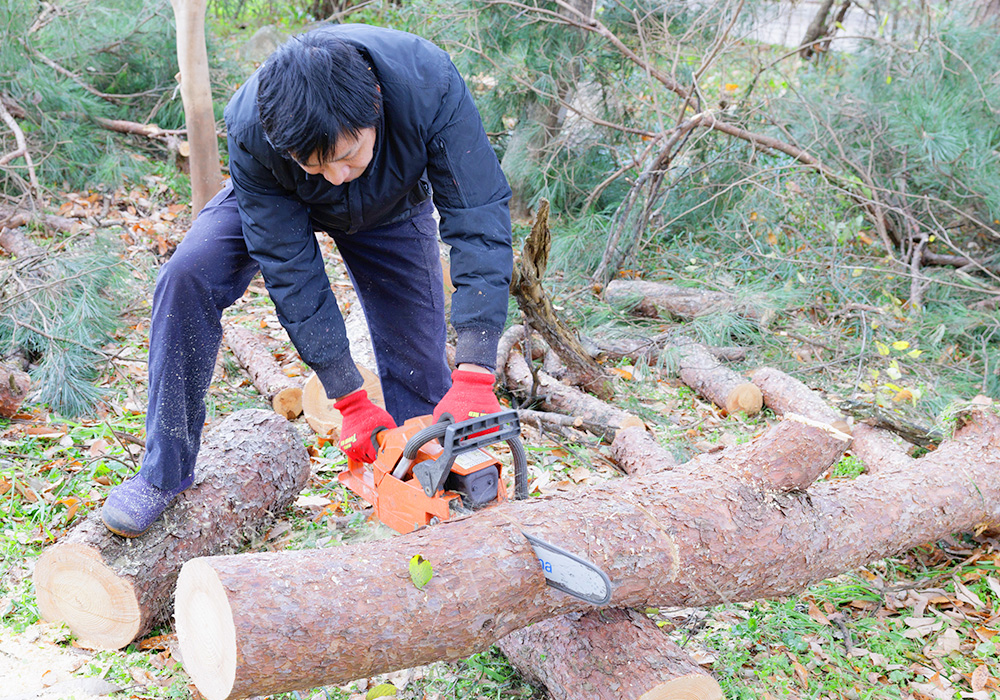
x,y
697,535
607,655
110,590
284,392
662,300
783,394
637,452
320,414
648,349
526,286
568,400
722,386
14,386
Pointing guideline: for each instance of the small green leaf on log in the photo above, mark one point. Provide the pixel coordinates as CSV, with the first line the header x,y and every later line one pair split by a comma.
x,y
420,571
382,690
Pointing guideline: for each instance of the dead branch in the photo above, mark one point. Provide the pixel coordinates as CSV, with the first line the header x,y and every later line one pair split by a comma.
x,y
22,146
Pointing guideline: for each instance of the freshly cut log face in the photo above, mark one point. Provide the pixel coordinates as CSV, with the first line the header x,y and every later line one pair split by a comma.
x,y
110,590
322,417
700,370
697,535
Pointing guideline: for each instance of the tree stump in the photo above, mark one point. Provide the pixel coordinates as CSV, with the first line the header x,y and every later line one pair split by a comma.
x,y
14,386
110,590
696,535
284,392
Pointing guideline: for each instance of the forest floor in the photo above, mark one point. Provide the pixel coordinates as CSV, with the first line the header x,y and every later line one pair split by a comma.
x,y
917,626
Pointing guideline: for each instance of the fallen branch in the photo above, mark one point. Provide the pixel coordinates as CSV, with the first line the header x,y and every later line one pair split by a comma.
x,y
699,370
662,300
526,286
22,147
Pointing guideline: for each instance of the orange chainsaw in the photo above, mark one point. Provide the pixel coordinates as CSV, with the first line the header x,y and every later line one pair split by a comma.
x,y
427,472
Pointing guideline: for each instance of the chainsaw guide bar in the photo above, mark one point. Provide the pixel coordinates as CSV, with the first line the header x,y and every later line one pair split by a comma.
x,y
570,574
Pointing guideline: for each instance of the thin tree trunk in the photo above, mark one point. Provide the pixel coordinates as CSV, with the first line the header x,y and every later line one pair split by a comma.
x,y
196,93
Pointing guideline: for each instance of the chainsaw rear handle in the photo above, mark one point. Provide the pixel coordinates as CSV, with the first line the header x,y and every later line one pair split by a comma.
x,y
458,438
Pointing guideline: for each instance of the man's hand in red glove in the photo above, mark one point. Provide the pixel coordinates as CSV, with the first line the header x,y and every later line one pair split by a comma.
x,y
362,419
471,394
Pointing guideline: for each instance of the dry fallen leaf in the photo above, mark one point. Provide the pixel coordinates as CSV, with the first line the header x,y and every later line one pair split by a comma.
x,y
817,615
980,678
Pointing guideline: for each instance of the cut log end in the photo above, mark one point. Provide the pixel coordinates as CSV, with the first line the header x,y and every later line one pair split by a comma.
x,y
210,649
288,402
745,397
73,585
322,417
693,687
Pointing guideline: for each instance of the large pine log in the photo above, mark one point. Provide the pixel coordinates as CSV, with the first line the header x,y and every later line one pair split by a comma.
x,y
696,535
607,655
110,590
284,392
14,385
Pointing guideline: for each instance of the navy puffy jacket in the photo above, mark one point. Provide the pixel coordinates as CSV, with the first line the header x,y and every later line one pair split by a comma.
x,y
431,131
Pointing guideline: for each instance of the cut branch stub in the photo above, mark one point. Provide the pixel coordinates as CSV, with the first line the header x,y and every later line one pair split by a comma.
x,y
526,286
110,590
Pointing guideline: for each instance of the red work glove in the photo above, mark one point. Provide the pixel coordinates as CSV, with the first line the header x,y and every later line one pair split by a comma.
x,y
362,419
470,396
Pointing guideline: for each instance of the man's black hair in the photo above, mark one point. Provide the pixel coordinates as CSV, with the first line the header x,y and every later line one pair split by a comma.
x,y
313,90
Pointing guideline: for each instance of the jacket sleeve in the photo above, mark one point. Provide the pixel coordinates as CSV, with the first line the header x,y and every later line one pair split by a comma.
x,y
471,195
280,238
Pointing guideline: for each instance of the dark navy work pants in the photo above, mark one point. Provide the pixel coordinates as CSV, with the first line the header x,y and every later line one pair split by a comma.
x,y
396,270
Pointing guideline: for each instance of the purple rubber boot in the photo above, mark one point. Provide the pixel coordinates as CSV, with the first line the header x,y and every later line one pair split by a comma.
x,y
135,504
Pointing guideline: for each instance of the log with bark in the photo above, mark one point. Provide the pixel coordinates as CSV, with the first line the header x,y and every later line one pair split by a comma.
x,y
877,449
110,590
526,286
607,655
699,370
593,414
662,300
647,349
696,535
284,392
14,386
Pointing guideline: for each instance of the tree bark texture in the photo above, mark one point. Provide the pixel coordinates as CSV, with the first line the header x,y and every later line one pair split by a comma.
x,y
526,285
608,654
817,29
696,535
662,300
728,390
284,392
783,394
14,386
110,590
878,449
648,349
561,398
196,93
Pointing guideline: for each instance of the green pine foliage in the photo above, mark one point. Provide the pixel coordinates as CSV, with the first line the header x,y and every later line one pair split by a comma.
x,y
117,48
58,313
